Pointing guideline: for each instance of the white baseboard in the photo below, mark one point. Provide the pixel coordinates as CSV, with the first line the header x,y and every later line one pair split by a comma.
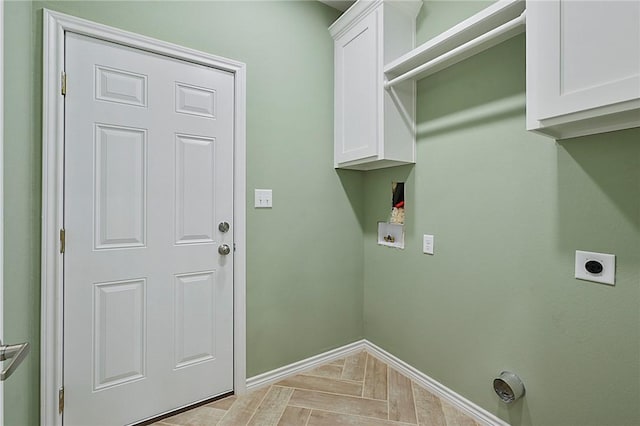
x,y
273,376
478,413
463,404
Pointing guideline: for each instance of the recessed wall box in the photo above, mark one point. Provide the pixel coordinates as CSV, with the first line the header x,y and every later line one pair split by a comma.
x,y
391,234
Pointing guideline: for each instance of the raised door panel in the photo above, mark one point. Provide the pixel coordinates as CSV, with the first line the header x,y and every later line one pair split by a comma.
x,y
195,189
195,318
195,100
588,54
119,333
358,73
120,187
121,86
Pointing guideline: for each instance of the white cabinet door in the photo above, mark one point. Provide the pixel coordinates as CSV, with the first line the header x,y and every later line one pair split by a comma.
x,y
583,63
358,73
148,176
373,127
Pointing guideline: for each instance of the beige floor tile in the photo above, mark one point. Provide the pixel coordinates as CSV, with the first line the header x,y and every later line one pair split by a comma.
x,y
401,405
354,367
243,408
339,362
294,416
223,404
428,407
323,384
271,407
324,418
319,398
375,380
454,417
329,370
339,403
200,416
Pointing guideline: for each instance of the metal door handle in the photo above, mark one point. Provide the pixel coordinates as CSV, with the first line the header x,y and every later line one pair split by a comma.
x,y
224,249
16,353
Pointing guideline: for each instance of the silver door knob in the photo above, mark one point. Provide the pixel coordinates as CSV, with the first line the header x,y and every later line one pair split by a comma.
x,y
224,249
16,353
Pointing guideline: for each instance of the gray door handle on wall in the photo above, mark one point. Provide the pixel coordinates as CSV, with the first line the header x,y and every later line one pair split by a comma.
x,y
16,353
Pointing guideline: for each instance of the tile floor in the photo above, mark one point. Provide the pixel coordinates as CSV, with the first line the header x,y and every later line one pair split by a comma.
x,y
359,390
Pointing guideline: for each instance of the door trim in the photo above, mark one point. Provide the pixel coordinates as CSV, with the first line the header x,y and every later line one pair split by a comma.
x,y
54,27
1,196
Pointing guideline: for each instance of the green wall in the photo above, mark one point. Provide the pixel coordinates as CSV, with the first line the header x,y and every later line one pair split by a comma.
x,y
22,173
305,256
508,209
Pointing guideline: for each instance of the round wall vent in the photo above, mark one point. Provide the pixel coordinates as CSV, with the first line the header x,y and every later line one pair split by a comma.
x,y
508,387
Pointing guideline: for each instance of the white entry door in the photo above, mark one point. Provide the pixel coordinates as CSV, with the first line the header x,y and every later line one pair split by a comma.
x,y
148,288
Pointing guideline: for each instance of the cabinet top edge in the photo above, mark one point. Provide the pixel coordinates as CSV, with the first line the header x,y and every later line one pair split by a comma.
x,y
362,8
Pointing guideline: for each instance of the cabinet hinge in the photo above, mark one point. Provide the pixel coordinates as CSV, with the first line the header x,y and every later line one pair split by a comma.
x,y
63,83
60,400
62,240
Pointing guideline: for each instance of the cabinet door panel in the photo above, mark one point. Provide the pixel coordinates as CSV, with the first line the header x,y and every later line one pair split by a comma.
x,y
589,53
358,68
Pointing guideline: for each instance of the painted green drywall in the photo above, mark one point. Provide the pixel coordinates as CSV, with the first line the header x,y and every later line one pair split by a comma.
x,y
304,256
437,16
21,213
508,209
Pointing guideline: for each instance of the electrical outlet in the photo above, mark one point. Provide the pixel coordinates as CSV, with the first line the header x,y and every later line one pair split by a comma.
x,y
427,244
597,267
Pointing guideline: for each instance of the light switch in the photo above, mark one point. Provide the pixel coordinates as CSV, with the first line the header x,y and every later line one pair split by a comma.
x,y
263,198
427,244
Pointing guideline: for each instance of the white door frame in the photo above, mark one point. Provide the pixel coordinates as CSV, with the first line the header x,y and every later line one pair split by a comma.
x,y
1,196
55,26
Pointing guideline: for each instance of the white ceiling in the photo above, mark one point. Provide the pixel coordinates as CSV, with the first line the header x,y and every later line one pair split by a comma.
x,y
338,4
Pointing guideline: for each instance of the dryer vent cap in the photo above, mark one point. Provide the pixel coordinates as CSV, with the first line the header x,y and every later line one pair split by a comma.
x,y
508,387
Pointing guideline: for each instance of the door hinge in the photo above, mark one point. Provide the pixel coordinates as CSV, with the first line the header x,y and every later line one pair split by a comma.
x,y
62,240
63,83
60,400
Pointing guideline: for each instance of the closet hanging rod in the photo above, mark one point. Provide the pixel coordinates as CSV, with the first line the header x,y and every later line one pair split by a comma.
x,y
471,44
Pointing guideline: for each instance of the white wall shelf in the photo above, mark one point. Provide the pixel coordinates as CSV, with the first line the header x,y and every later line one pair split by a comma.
x,y
489,27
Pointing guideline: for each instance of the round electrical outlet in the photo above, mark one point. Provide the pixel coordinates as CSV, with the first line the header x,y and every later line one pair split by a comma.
x,y
593,267
596,267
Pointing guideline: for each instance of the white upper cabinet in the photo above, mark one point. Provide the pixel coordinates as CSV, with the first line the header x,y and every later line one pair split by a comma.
x,y
374,128
583,66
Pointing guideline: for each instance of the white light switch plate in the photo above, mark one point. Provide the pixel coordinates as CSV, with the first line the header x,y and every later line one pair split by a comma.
x,y
263,198
427,244
608,262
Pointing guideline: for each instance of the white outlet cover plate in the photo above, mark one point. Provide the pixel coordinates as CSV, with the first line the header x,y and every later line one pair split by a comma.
x,y
263,198
427,244
608,261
